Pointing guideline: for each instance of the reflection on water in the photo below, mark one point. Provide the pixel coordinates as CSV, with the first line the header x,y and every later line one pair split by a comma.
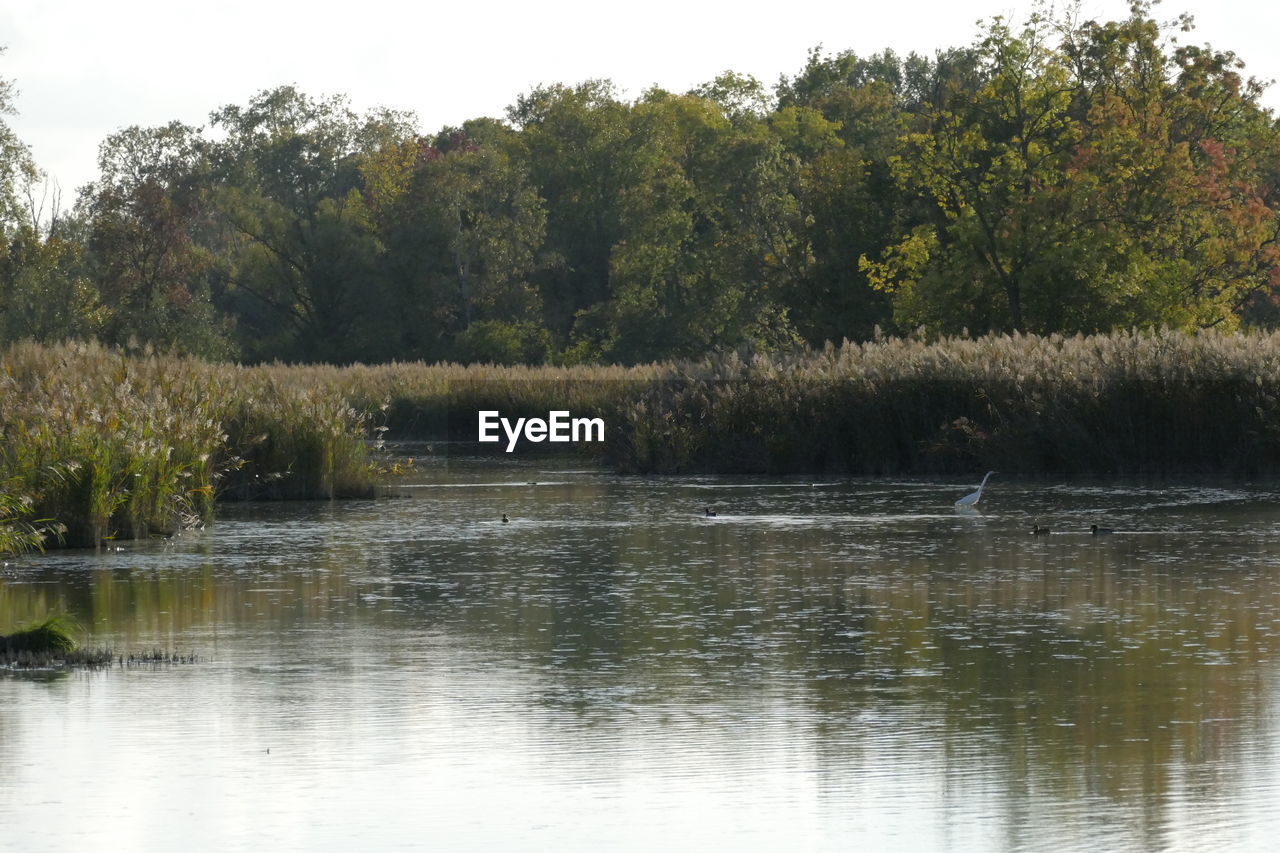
x,y
820,666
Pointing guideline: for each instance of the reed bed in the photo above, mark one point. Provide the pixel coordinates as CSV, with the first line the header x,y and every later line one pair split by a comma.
x,y
100,444
1155,403
419,400
1147,404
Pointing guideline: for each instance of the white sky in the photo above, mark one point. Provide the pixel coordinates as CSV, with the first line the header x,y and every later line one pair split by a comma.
x,y
86,68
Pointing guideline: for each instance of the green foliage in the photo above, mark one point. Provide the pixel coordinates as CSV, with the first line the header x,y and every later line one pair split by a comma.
x,y
1058,175
1094,181
463,226
582,160
54,635
46,291
707,237
146,218
496,342
301,249
17,169
742,98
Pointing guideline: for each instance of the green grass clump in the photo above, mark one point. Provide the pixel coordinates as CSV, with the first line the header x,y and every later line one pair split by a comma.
x,y
53,636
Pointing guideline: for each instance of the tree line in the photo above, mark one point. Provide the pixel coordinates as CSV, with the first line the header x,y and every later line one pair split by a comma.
x,y
1063,175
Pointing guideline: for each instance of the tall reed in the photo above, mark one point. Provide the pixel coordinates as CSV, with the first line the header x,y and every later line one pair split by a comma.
x,y
106,444
1125,403
1157,403
98,443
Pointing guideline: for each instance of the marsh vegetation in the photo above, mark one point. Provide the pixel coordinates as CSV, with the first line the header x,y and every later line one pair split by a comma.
x,y
1160,403
100,444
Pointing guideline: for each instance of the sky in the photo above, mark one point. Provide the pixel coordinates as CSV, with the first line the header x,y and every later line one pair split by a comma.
x,y
85,69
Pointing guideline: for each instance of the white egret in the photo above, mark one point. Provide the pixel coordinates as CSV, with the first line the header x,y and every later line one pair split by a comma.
x,y
971,500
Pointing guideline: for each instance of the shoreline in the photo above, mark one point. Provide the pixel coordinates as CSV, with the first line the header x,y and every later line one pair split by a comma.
x,y
102,444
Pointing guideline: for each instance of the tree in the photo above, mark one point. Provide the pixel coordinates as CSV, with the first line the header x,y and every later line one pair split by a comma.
x,y
844,115
741,97
706,239
462,227
577,146
288,185
1089,182
144,216
45,293
16,165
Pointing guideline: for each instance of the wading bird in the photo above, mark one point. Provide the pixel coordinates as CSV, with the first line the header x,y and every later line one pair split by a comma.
x,y
972,500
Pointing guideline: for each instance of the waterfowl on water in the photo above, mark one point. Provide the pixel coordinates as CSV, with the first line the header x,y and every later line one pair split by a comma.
x,y
1100,531
504,518
1037,530
711,513
972,499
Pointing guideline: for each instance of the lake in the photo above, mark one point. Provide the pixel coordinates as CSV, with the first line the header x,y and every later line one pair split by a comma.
x,y
822,665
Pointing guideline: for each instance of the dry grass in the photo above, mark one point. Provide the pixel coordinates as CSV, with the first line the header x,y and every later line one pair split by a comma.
x,y
1128,403
102,444
1160,403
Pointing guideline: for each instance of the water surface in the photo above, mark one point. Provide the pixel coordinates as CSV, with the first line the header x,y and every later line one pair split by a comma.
x,y
823,665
